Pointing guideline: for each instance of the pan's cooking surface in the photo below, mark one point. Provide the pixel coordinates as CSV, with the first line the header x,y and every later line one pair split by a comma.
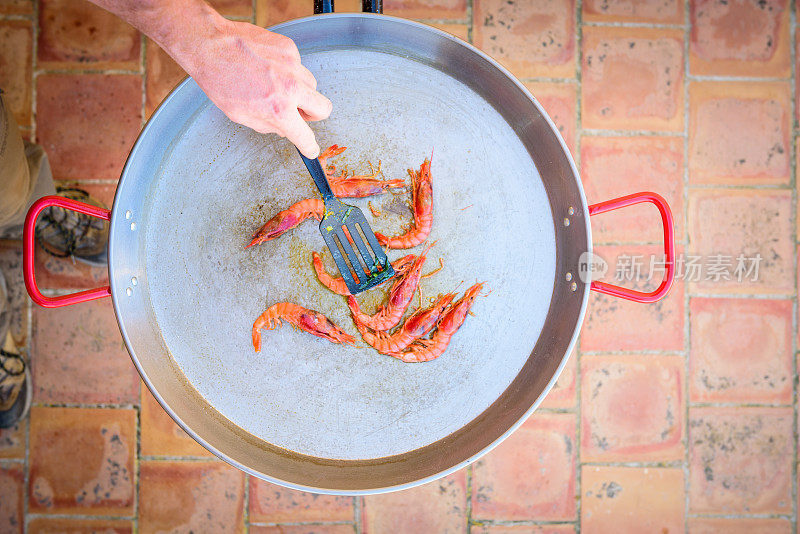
x,y
221,181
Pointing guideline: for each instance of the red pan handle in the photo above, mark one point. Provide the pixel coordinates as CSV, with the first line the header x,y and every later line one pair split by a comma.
x,y
669,247
29,248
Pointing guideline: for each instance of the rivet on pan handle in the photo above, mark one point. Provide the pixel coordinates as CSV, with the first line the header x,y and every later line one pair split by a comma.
x,y
669,247
29,248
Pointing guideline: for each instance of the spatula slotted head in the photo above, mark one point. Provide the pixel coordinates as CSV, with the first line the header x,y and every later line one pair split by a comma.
x,y
344,227
354,247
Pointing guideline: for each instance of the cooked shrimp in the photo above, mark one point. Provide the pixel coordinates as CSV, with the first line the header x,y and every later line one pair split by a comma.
x,y
422,201
331,151
358,186
311,321
414,328
355,186
425,350
400,296
287,219
337,284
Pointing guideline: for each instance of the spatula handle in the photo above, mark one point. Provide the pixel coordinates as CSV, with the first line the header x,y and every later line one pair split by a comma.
x,y
315,168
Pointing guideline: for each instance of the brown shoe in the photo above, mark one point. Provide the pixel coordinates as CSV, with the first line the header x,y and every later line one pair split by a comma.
x,y
15,384
65,233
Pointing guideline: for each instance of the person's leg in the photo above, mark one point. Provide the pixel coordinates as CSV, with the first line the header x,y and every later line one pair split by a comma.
x,y
15,179
25,176
15,385
17,189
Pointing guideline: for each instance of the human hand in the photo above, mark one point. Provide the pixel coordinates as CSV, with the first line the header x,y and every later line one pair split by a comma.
x,y
255,77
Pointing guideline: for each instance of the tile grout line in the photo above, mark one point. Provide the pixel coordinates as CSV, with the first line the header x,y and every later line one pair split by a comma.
x,y
641,465
646,25
468,504
358,505
300,523
746,79
34,66
742,516
508,522
80,71
464,22
86,405
102,517
11,16
184,459
739,405
686,297
793,182
246,504
611,132
548,79
743,296
579,132
137,466
743,187
143,72
33,136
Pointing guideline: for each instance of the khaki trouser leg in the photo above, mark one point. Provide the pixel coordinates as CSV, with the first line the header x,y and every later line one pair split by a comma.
x,y
24,175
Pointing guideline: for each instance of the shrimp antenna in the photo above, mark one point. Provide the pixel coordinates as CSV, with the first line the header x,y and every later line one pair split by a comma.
x,y
489,292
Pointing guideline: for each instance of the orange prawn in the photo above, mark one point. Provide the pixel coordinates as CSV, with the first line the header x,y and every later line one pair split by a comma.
x,y
336,283
287,219
400,296
311,321
422,200
425,350
359,186
356,186
414,328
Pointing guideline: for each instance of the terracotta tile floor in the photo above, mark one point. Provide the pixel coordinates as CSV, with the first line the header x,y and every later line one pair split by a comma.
x,y
680,416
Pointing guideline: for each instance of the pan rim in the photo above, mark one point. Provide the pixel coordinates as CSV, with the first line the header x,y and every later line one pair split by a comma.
x,y
375,490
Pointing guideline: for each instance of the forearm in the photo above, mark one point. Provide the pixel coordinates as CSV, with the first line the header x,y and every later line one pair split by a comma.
x,y
177,26
253,75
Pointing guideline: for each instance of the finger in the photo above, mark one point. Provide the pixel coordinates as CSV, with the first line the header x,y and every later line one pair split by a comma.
x,y
306,77
286,47
314,105
263,127
296,130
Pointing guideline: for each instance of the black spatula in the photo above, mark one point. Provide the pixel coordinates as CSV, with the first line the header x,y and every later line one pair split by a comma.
x,y
343,226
